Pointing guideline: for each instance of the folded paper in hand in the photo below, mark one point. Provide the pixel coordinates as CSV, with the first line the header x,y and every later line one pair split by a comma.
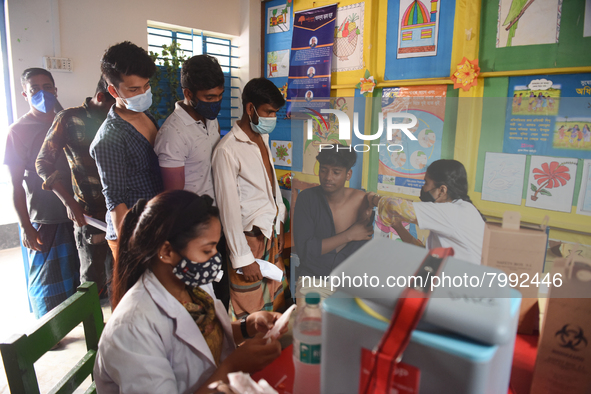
x,y
268,270
96,223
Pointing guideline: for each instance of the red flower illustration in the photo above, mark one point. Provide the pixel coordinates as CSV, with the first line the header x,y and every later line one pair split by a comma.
x,y
549,176
555,175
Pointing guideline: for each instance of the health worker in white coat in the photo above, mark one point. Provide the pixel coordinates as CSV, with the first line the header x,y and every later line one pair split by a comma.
x,y
445,210
168,333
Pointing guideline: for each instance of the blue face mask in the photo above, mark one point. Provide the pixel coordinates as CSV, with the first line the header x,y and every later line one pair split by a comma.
x,y
139,103
43,101
266,124
195,274
209,110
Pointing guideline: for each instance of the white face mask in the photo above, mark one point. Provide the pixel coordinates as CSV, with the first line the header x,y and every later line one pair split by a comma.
x,y
266,124
139,103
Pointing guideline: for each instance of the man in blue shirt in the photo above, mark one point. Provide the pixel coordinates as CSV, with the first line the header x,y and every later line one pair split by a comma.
x,y
124,145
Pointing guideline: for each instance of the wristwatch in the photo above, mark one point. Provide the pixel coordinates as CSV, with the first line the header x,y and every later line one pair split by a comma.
x,y
243,328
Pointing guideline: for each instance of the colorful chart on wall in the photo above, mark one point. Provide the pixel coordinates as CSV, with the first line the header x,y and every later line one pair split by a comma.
x,y
401,63
549,115
551,183
278,64
278,19
418,28
528,22
281,152
404,171
584,202
348,38
503,178
322,135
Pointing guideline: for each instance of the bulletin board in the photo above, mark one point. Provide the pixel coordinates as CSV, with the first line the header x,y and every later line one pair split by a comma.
x,y
491,140
277,30
472,125
570,51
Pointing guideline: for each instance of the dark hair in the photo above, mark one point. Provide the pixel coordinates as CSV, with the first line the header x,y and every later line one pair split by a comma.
x,y
452,174
201,72
126,58
177,216
103,87
338,155
259,91
31,72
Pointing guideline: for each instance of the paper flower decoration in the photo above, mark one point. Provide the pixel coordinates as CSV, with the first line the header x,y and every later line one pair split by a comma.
x,y
366,84
285,180
466,74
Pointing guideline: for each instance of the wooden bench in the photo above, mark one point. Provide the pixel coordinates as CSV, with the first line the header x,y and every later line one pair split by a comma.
x,y
20,352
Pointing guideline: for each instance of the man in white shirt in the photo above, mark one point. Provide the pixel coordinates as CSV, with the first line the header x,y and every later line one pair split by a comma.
x,y
250,202
186,140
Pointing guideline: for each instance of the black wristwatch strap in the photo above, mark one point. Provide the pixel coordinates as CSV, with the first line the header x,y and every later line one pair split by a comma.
x,y
243,328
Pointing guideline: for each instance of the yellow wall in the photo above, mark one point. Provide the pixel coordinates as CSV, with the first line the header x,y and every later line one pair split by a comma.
x,y
564,226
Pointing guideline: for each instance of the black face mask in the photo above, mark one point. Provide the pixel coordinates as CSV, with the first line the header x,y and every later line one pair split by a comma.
x,y
426,196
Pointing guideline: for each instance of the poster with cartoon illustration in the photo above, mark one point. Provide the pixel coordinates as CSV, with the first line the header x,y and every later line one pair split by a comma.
x,y
528,22
403,171
325,135
584,202
278,19
418,28
551,183
348,38
503,178
278,64
281,152
549,115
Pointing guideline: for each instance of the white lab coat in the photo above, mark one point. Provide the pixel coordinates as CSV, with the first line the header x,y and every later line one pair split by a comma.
x,y
152,345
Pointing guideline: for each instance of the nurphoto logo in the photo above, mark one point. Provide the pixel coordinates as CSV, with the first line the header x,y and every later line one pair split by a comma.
x,y
392,123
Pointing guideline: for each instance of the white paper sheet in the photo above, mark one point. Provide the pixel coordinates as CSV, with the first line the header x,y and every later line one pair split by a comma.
x,y
96,223
268,270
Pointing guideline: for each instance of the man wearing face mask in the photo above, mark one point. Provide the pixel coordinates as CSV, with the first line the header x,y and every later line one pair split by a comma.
x,y
123,148
46,229
185,142
250,202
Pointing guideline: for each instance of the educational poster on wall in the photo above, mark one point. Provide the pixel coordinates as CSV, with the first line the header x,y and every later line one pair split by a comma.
x,y
325,135
549,115
278,64
278,18
310,59
587,21
528,22
503,178
281,152
584,202
348,38
436,66
418,28
551,183
404,171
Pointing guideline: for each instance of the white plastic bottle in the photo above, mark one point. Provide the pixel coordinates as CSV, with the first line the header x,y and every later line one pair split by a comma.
x,y
307,340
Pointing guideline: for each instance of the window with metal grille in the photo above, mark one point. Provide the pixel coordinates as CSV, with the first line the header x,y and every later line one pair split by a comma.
x,y
195,43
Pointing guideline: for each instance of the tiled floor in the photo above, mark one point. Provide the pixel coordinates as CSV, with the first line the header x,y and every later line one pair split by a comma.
x,y
15,318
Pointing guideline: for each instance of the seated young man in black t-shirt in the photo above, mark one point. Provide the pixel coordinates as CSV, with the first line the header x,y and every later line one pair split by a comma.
x,y
326,224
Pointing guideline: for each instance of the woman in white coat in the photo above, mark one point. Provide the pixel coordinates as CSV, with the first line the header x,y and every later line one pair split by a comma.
x,y
445,210
168,333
